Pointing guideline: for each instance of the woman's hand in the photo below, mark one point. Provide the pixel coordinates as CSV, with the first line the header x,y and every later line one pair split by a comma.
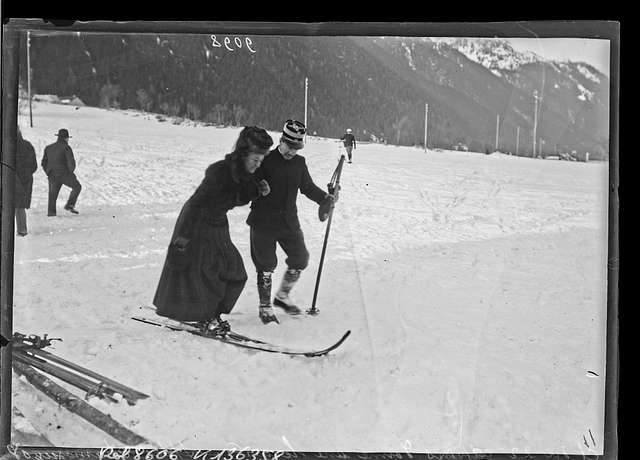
x,y
263,187
180,242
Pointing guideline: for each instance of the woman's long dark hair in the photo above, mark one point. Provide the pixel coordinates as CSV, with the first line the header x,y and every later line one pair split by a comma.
x,y
250,140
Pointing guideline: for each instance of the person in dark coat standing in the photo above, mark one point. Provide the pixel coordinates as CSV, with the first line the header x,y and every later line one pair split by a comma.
x,y
26,166
204,274
59,164
349,141
274,219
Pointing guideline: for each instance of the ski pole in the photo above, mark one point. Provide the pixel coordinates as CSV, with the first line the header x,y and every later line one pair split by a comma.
x,y
332,186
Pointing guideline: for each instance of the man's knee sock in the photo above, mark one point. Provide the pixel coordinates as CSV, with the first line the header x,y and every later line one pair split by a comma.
x,y
264,288
289,280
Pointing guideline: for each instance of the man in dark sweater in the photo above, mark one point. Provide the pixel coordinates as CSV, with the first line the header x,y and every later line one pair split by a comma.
x,y
59,165
274,219
349,142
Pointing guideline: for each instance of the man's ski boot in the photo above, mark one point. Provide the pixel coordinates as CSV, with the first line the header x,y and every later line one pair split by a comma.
x,y
71,209
287,305
265,311
215,327
266,314
282,299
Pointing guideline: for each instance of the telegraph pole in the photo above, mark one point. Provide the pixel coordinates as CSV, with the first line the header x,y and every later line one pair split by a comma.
x,y
497,130
535,121
426,122
29,76
306,87
517,139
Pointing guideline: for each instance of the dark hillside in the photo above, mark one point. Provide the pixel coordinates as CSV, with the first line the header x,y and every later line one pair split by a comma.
x,y
377,86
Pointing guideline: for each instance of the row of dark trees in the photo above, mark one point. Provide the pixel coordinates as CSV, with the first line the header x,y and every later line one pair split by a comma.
x,y
353,83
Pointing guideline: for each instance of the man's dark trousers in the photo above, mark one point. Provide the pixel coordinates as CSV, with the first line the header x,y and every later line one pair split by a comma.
x,y
263,248
55,183
349,149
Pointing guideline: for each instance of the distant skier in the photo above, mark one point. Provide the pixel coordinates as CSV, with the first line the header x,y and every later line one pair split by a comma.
x,y
26,165
59,164
349,142
203,274
274,219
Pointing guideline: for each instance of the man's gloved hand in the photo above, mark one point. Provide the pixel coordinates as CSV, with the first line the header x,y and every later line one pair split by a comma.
x,y
326,206
263,187
336,193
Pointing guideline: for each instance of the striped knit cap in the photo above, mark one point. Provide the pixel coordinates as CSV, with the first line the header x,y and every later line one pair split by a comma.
x,y
293,133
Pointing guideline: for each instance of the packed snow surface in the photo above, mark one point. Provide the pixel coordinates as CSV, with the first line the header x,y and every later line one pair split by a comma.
x,y
474,286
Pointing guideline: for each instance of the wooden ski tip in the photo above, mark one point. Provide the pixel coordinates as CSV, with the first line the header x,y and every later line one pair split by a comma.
x,y
326,351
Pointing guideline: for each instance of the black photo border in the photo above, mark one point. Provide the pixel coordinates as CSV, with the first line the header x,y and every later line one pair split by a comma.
x,y
15,27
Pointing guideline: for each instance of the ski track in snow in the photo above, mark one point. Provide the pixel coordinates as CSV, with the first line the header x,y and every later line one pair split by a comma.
x,y
473,284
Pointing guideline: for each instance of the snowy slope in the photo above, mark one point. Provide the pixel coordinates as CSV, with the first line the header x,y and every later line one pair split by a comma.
x,y
474,286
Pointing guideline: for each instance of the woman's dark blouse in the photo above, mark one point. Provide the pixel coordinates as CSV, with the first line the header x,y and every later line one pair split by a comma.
x,y
226,184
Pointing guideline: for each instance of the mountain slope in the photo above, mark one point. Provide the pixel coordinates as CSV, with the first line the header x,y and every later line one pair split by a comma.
x,y
376,85
574,97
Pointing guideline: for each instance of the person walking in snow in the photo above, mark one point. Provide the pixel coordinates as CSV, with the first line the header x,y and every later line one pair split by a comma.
x,y
59,164
203,274
26,166
349,141
274,219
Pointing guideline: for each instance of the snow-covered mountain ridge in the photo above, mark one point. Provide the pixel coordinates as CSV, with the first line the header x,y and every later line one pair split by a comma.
x,y
498,55
495,55
474,80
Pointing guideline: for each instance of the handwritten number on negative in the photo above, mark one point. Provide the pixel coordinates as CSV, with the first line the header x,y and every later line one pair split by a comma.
x,y
237,41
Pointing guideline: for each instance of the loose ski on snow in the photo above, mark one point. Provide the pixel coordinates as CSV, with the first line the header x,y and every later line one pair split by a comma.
x,y
28,349
238,339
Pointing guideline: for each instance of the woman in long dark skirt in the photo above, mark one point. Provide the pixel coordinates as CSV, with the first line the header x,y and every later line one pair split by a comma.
x,y
203,274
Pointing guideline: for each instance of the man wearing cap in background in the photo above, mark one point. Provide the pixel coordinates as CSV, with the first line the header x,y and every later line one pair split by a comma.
x,y
59,165
349,142
274,219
